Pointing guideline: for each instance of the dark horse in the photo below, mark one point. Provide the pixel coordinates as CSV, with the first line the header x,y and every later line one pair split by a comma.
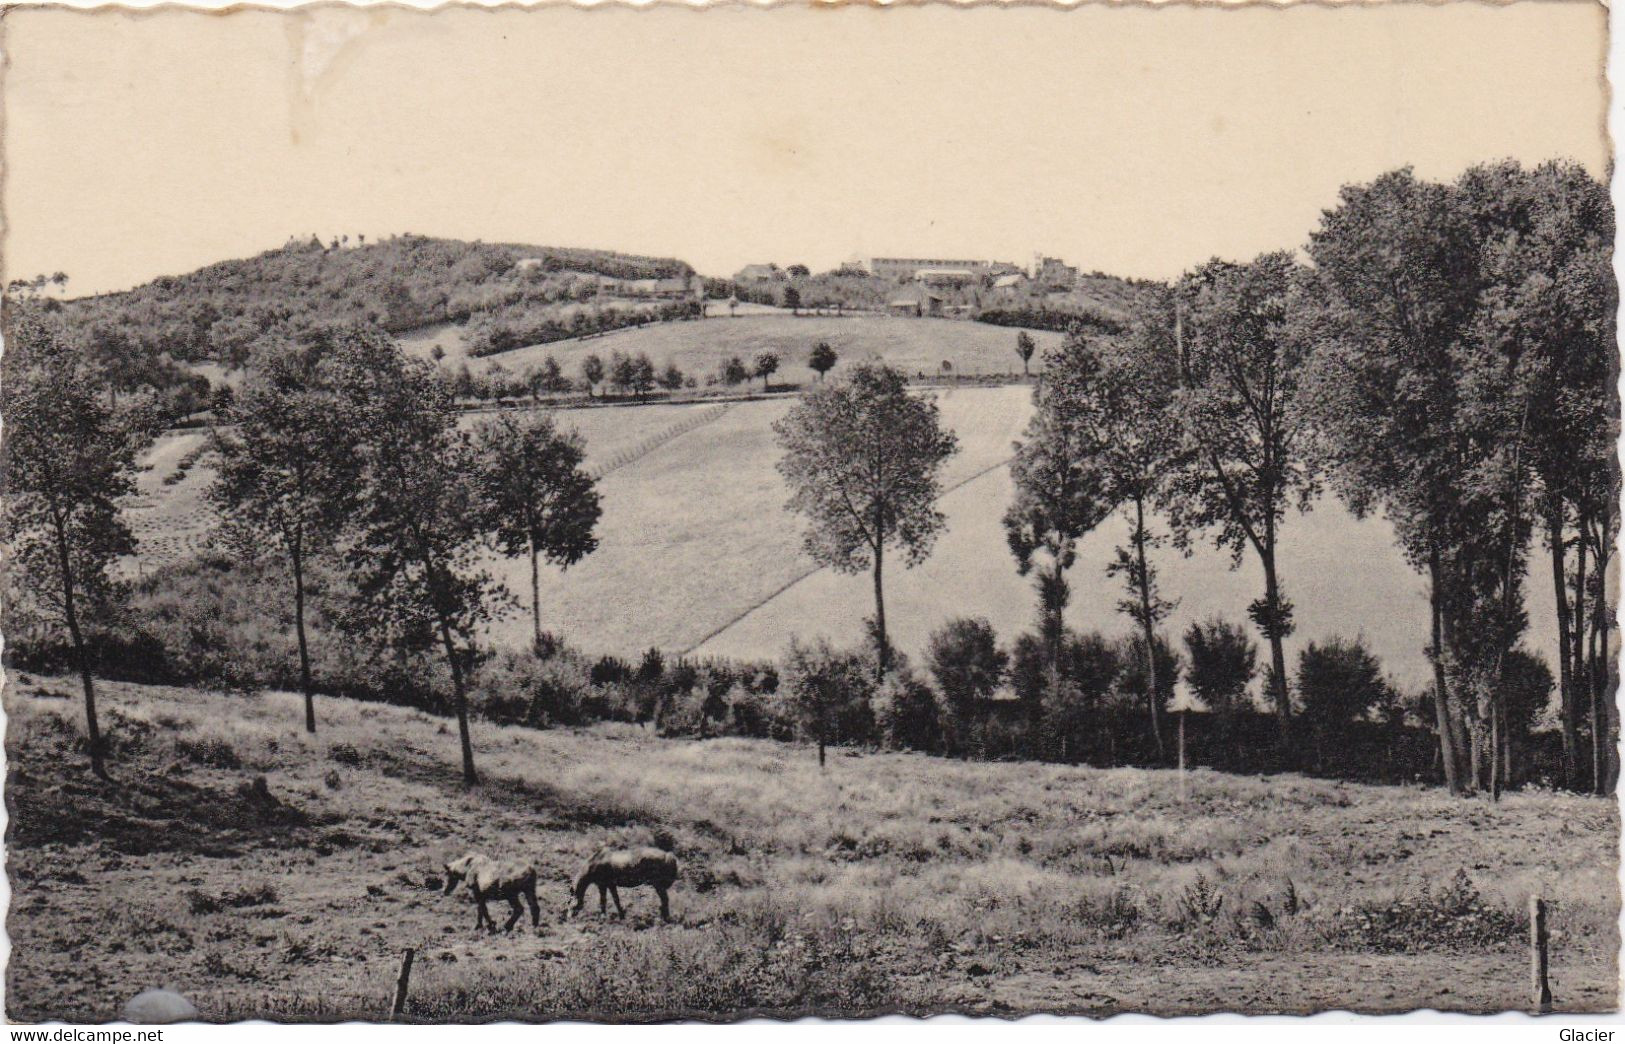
x,y
612,868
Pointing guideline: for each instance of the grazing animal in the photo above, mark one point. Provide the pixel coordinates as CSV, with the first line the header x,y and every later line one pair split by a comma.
x,y
613,868
489,879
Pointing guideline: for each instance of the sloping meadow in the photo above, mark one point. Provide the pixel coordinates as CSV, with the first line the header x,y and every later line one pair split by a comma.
x,y
885,882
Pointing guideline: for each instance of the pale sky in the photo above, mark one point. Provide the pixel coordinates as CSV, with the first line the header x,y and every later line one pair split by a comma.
x,y
1130,140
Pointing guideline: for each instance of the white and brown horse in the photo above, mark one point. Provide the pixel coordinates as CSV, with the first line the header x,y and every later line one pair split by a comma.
x,y
489,879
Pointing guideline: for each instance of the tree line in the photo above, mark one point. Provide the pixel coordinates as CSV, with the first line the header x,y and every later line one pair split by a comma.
x,y
1445,357
1442,355
342,455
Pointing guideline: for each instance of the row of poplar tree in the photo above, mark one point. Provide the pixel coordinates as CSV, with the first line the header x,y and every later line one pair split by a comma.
x,y
1441,354
1446,358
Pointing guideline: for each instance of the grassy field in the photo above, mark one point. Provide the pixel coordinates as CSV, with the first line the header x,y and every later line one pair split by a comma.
x,y
887,882
700,348
697,552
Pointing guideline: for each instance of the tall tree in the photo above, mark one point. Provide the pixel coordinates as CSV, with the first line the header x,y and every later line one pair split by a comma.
x,y
286,472
1543,358
864,462
66,459
1102,438
415,541
1397,286
535,497
1240,363
1058,494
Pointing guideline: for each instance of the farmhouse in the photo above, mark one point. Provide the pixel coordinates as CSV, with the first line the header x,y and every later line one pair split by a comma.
x,y
916,304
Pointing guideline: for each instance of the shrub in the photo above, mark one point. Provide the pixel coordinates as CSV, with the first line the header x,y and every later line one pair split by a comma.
x,y
828,691
906,713
1427,918
213,753
1339,681
520,688
964,657
1223,660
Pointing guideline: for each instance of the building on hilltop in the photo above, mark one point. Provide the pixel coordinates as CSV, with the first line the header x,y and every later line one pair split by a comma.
x,y
903,269
945,276
1051,273
757,274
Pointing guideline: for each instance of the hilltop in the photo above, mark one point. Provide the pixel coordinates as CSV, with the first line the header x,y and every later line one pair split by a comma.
x,y
218,313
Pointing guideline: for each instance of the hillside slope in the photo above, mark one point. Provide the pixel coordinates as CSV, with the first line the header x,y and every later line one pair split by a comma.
x,y
887,882
915,346
219,312
697,552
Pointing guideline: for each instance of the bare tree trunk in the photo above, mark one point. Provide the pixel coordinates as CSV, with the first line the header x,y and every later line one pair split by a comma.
x,y
1153,690
298,559
1495,753
470,777
93,732
882,644
1053,596
1598,622
1566,705
1448,749
1582,671
1272,598
1604,754
535,599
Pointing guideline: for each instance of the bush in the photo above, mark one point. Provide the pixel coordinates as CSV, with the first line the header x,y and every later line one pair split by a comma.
x,y
1223,660
1428,918
520,688
1338,682
828,691
1078,718
1086,320
964,657
211,753
906,713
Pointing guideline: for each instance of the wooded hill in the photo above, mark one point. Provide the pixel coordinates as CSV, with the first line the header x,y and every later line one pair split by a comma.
x,y
220,312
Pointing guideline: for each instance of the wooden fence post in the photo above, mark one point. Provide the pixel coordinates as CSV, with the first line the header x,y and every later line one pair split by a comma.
x,y
401,984
1540,989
